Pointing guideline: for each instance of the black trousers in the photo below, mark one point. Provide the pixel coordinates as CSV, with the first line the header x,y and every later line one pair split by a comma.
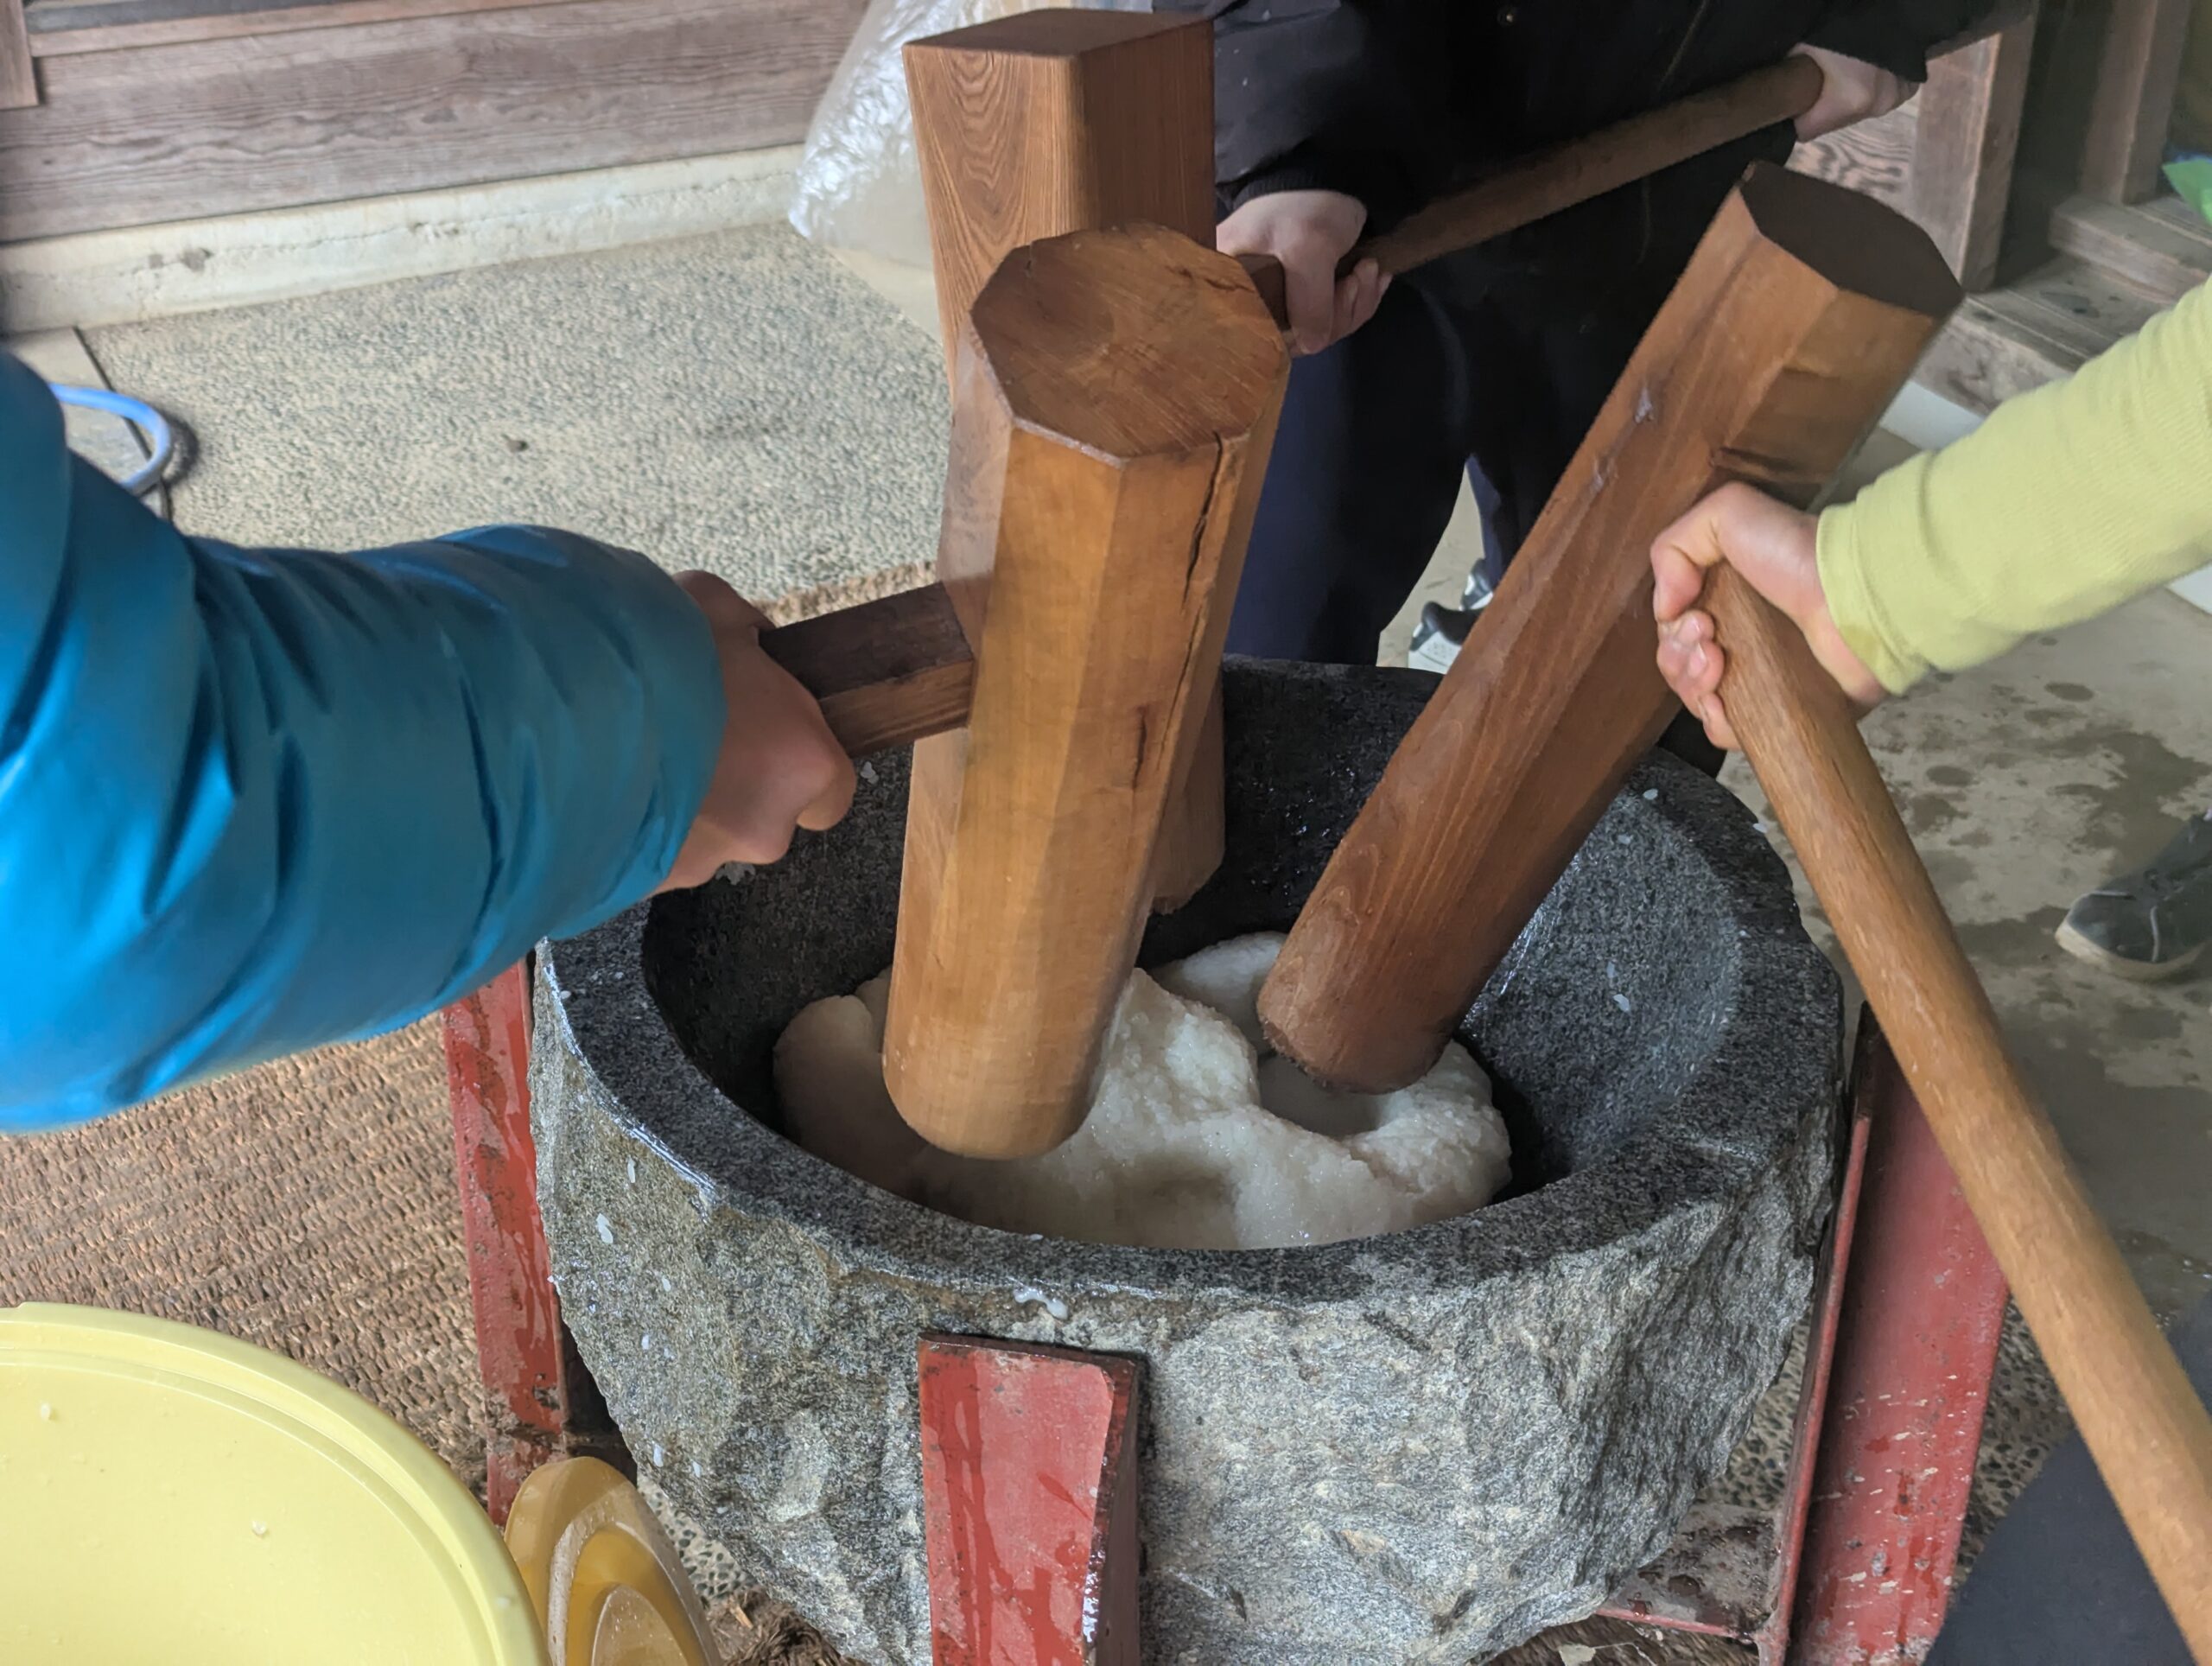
x,y
1374,433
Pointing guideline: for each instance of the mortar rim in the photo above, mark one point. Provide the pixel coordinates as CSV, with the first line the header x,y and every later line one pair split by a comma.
x,y
646,1080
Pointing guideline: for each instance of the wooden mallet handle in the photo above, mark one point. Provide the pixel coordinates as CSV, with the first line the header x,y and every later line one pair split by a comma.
x,y
887,673
890,672
2144,1423
1531,187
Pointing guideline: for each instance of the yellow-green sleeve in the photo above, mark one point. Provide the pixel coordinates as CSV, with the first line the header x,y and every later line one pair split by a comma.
x,y
2066,502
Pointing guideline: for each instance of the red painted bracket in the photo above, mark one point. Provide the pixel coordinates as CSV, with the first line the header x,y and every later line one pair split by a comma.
x,y
1029,1477
1857,1561
1915,1351
519,1343
1733,1570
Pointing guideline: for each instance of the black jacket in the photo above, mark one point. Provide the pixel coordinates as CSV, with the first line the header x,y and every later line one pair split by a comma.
x,y
1393,101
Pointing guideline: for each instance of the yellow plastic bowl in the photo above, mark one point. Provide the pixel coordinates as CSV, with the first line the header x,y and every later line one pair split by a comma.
x,y
171,1497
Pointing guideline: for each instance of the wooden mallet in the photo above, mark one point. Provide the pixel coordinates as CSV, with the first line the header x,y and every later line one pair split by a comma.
x,y
1801,314
1028,127
2138,1413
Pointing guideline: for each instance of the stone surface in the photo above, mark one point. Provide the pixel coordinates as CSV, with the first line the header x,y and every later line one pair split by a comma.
x,y
1422,1448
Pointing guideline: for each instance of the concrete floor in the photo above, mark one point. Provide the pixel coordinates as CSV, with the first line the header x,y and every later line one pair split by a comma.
x,y
2023,784
735,402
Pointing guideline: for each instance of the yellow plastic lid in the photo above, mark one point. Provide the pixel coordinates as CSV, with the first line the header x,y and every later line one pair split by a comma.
x,y
169,1495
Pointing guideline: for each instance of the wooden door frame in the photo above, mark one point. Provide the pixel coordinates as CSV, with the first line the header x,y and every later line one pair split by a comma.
x,y
18,79
1946,159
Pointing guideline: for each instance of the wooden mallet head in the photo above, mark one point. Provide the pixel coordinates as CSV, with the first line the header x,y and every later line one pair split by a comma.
x,y
1113,398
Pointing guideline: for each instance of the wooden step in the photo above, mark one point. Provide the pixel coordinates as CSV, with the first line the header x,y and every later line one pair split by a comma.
x,y
2047,325
2162,247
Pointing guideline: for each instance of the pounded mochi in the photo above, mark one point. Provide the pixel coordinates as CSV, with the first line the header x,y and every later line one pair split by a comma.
x,y
1198,1138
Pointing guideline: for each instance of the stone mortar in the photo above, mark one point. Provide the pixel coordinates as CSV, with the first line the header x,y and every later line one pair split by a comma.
x,y
1422,1448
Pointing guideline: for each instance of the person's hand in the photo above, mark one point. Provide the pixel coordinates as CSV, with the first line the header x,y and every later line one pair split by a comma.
x,y
1771,546
1309,232
780,767
1852,90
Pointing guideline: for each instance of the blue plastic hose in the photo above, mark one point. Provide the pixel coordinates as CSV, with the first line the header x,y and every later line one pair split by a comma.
x,y
139,415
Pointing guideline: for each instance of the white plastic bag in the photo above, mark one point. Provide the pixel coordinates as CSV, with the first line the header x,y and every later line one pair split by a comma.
x,y
860,186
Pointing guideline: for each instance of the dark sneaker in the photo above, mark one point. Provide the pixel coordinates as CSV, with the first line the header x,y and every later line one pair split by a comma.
x,y
2153,923
1442,631
1439,636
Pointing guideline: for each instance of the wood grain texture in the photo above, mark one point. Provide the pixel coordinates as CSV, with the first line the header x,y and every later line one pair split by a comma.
x,y
1543,184
1114,399
1944,158
2163,247
887,673
18,79
62,31
1875,157
1049,122
2142,1420
2131,100
2044,325
1964,143
1058,121
1797,321
159,133
2101,96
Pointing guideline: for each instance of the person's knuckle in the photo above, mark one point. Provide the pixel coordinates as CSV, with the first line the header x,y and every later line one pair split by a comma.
x,y
832,769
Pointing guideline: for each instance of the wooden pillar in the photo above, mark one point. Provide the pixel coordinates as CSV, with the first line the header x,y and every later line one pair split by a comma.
x,y
1048,122
18,80
1963,147
1797,321
1114,397
2138,50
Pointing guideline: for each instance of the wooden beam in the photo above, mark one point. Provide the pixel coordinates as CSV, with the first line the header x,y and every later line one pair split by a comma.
x,y
1048,122
66,30
18,79
1798,318
1945,157
2101,98
1877,156
1114,399
887,673
2047,324
2162,248
2131,99
1964,144
137,136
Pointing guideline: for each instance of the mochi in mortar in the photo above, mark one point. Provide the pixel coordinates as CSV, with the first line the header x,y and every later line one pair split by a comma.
x,y
1197,1137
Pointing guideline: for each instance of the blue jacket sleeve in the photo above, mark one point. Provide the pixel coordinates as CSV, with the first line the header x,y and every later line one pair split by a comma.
x,y
251,801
